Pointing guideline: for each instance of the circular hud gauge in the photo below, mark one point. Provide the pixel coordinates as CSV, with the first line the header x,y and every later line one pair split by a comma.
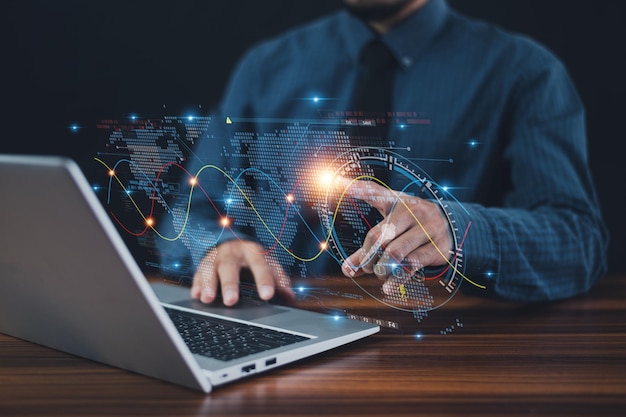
x,y
347,221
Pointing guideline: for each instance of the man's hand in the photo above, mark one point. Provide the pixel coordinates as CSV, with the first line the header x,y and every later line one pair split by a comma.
x,y
224,263
413,234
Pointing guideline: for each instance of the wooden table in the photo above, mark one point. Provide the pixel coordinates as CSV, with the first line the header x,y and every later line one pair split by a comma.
x,y
561,359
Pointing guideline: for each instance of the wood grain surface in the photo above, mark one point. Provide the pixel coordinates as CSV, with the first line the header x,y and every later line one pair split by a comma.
x,y
560,359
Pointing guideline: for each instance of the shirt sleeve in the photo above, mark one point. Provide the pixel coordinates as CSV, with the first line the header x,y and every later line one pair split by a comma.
x,y
548,241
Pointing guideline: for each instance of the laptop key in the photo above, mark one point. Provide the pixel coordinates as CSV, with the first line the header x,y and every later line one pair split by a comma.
x,y
224,340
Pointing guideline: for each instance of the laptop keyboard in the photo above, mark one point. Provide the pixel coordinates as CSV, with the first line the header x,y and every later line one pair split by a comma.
x,y
226,340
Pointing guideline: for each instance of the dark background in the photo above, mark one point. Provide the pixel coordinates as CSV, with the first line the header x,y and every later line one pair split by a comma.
x,y
70,62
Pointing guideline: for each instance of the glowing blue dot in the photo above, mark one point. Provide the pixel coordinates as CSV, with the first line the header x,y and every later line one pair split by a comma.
x,y
133,117
177,265
402,126
190,118
229,201
418,336
336,317
301,289
316,99
127,192
95,187
473,143
444,188
489,273
74,128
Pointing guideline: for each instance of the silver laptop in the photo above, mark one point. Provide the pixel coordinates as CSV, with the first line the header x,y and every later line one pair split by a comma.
x,y
68,281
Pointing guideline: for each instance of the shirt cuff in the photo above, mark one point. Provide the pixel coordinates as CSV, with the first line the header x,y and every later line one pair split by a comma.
x,y
479,244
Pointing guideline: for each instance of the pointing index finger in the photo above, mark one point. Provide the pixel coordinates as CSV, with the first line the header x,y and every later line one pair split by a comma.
x,y
374,194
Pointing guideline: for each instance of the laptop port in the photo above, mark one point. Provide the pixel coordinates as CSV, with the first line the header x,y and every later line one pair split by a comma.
x,y
270,362
248,368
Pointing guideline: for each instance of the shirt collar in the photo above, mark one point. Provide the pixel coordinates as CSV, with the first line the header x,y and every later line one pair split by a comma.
x,y
406,40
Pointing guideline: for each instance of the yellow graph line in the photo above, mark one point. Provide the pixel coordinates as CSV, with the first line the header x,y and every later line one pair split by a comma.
x,y
302,259
430,239
276,239
132,200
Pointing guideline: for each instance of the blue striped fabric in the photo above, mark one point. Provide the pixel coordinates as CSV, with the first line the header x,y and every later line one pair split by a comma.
x,y
502,107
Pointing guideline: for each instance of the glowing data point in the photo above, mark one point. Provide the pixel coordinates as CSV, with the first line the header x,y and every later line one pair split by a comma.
x,y
225,221
111,173
326,179
402,291
290,198
150,221
193,181
316,99
323,245
228,121
190,118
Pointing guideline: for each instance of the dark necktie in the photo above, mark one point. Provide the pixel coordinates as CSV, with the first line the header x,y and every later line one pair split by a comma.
x,y
373,90
372,100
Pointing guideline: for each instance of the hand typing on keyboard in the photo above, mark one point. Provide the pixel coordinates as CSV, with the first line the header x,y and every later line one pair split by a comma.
x,y
223,265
